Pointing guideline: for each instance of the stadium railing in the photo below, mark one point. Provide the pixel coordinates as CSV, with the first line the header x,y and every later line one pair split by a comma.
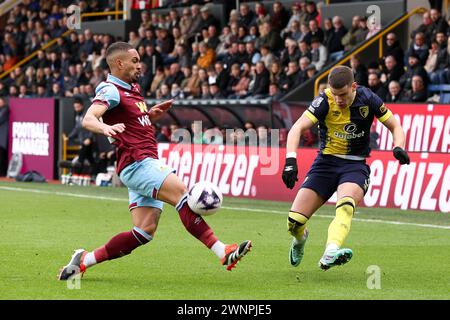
x,y
377,37
54,41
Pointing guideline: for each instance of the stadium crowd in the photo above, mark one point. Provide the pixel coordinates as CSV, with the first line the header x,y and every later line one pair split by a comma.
x,y
260,52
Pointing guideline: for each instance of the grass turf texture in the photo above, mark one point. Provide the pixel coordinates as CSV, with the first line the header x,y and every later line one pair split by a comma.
x,y
38,232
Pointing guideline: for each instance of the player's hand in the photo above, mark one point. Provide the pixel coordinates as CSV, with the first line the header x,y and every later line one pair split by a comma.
x,y
163,105
111,131
290,172
401,155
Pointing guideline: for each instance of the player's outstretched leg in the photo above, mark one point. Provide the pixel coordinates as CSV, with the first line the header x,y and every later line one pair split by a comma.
x,y
296,224
174,192
338,230
119,246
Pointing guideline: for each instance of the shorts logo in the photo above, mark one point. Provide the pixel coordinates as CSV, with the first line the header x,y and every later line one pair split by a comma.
x,y
350,127
364,111
383,108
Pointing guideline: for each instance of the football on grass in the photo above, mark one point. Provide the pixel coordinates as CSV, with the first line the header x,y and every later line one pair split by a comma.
x,y
205,198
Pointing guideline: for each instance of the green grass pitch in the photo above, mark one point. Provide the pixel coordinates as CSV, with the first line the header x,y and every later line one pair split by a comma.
x,y
41,224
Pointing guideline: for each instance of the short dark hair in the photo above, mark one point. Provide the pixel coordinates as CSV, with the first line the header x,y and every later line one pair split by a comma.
x,y
117,46
340,77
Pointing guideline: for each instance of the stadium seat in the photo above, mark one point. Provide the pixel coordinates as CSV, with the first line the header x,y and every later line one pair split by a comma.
x,y
443,90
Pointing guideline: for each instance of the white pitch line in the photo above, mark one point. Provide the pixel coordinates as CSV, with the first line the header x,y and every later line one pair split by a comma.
x,y
65,194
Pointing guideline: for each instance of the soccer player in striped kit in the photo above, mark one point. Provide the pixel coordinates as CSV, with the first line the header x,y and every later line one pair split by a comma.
x,y
345,112
119,112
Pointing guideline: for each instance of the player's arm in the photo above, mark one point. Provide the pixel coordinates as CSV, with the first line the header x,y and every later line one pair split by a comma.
x,y
399,139
158,110
290,170
91,121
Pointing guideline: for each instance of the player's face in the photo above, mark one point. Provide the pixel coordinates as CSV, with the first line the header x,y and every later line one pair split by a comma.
x,y
132,65
343,96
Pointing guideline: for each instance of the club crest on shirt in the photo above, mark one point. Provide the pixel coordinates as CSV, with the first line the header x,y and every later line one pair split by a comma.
x,y
364,111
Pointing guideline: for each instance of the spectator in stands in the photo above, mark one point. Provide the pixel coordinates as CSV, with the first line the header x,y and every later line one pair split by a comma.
x,y
439,23
274,92
158,80
253,55
246,16
191,83
267,56
414,68
206,93
305,50
375,85
334,41
224,43
164,42
271,38
233,79
304,64
395,94
291,78
438,70
295,17
305,33
393,48
293,32
222,78
214,91
426,27
253,34
354,36
4,123
418,92
208,18
291,52
262,81
279,17
175,75
319,54
163,92
391,71
327,30
275,72
359,70
207,56
419,47
241,88
213,38
311,12
316,31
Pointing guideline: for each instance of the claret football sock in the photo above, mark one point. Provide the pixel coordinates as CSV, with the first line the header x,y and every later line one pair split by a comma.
x,y
296,224
340,226
119,245
195,224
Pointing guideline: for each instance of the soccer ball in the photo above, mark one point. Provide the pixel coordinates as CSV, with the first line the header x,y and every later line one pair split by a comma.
x,y
205,198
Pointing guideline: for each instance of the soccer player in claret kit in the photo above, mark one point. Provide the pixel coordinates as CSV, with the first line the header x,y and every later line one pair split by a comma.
x,y
119,112
345,112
